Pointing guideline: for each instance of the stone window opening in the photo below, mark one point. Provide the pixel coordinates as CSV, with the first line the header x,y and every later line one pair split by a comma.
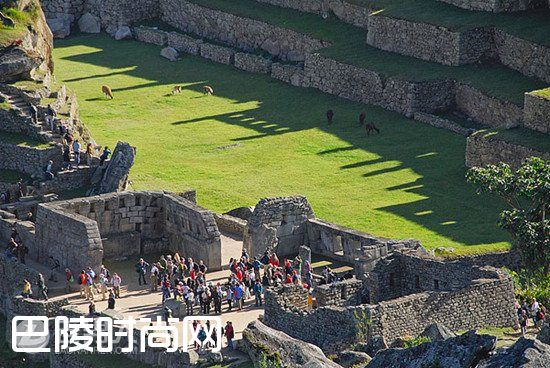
x,y
138,227
392,279
436,284
417,281
121,203
138,201
284,220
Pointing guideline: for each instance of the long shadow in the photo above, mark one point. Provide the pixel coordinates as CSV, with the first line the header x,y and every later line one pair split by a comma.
x,y
436,156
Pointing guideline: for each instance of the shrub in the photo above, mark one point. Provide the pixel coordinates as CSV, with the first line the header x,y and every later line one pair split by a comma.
x,y
412,342
529,286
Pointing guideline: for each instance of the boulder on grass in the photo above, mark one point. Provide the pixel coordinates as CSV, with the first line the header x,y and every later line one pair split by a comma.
x,y
170,53
123,33
89,23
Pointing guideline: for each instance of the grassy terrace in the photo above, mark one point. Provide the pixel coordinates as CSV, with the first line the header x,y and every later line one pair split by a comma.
x,y
544,93
22,20
246,143
349,46
533,25
521,136
22,140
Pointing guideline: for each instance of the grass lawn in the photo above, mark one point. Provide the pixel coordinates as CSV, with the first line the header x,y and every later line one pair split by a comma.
x,y
258,137
349,46
22,19
544,93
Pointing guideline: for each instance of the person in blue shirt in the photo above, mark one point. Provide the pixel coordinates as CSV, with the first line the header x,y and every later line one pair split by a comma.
x,y
258,290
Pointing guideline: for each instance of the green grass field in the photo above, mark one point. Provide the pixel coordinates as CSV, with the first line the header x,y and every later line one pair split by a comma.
x,y
349,43
258,137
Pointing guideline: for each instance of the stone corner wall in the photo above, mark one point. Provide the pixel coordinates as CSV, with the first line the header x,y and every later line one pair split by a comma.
x,y
485,109
496,6
481,151
536,113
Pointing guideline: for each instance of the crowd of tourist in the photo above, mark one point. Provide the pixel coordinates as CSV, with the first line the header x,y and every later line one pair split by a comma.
x,y
186,280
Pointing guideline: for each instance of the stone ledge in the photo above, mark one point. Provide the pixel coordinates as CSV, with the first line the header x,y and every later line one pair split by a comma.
x,y
443,123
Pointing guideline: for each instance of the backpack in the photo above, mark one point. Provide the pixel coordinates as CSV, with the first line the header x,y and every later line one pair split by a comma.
x,y
202,335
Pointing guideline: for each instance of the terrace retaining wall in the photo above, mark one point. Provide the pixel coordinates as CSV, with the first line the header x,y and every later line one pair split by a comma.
x,y
244,33
486,109
497,6
536,113
29,160
481,151
429,42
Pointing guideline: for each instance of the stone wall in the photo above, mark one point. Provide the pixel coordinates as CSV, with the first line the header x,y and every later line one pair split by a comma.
x,y
278,224
527,57
12,122
219,54
252,63
443,123
346,11
80,232
342,294
230,224
485,109
536,113
430,42
151,35
184,43
478,298
481,151
367,86
72,239
192,230
240,32
496,6
348,244
29,160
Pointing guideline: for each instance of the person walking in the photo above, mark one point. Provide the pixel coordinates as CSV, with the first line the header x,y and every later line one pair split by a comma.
x,y
27,290
102,285
42,288
153,277
50,117
82,283
141,269
88,287
33,112
90,154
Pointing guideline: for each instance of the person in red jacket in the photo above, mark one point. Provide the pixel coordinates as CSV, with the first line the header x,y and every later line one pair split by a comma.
x,y
229,334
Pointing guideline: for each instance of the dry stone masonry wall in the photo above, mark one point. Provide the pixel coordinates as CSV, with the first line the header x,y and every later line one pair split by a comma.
x,y
537,113
497,6
29,160
486,109
468,297
482,150
240,32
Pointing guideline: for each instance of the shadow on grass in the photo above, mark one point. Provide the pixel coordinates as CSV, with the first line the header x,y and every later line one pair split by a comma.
x,y
437,156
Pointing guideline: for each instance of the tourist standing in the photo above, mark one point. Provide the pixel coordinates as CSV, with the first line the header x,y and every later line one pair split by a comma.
x,y
141,269
33,111
50,117
111,301
69,279
229,334
116,284
258,290
104,155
